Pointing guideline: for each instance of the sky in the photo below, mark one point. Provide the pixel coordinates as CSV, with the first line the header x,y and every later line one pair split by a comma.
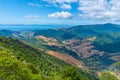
x,y
59,11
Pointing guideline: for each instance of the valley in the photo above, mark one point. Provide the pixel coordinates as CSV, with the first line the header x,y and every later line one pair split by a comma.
x,y
90,48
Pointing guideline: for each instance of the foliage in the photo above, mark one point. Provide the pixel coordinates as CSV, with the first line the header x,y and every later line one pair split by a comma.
x,y
19,61
13,69
71,73
108,42
108,76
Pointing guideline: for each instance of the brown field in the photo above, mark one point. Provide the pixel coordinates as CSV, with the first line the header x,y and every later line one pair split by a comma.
x,y
67,58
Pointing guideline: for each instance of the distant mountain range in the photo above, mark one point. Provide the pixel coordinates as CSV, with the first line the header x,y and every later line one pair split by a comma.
x,y
17,27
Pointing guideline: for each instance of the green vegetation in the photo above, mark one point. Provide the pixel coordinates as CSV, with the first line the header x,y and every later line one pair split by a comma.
x,y
108,76
115,67
80,31
108,42
13,69
19,61
34,42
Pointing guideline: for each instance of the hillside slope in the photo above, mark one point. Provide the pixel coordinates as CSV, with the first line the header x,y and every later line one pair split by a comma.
x,y
18,59
96,45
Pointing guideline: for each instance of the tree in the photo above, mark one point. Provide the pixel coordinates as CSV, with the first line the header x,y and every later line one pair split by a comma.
x,y
108,76
71,73
12,69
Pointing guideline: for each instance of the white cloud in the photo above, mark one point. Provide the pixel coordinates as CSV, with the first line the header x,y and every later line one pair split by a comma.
x,y
61,15
32,16
34,4
90,9
66,6
63,4
100,9
60,1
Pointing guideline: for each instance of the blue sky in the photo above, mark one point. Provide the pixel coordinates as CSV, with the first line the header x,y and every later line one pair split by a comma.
x,y
59,11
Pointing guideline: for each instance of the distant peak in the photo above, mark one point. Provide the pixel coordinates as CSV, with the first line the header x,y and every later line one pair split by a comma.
x,y
109,24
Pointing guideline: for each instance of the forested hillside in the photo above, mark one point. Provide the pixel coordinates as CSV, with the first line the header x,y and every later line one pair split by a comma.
x,y
96,45
21,62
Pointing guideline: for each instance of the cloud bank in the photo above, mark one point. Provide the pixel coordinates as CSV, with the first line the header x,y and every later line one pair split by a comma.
x,y
61,15
100,9
108,10
63,4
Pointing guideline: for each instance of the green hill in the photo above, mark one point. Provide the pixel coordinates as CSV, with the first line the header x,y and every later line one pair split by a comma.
x,y
19,61
104,49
